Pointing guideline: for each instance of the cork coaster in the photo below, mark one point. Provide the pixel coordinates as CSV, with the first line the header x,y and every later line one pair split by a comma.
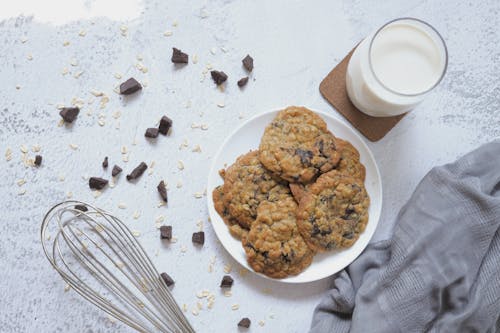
x,y
334,90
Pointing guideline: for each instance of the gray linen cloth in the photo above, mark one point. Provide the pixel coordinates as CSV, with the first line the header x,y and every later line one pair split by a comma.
x,y
440,272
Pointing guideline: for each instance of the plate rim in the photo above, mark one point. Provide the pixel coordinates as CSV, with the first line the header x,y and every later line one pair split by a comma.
x,y
212,211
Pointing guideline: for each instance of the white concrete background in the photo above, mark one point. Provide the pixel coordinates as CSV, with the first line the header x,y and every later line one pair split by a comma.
x,y
294,44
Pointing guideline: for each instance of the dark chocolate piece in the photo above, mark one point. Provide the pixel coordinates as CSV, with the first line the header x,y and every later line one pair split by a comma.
x,y
151,133
179,57
243,81
199,237
69,114
81,208
162,189
219,77
38,160
168,280
137,172
97,183
166,232
130,86
248,63
245,322
105,162
116,170
165,124
227,282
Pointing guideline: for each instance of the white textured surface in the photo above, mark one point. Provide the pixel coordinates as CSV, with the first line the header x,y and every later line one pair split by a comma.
x,y
295,44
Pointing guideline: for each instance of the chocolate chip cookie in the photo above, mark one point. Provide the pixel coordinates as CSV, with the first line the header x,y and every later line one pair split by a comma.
x,y
232,224
274,245
349,161
349,165
246,184
333,212
297,146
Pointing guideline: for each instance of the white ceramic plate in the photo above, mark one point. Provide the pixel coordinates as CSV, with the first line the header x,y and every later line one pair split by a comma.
x,y
247,137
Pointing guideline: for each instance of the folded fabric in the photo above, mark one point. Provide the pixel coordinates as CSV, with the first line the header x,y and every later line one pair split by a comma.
x,y
440,272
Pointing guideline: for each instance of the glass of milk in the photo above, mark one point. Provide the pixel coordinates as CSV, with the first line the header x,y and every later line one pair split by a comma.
x,y
392,70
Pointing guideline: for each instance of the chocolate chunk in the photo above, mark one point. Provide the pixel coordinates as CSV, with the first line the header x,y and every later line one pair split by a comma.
x,y
248,63
130,86
69,114
137,172
38,160
166,232
245,322
165,124
179,57
219,77
162,189
81,208
348,235
305,156
105,162
168,280
243,82
227,282
151,133
97,183
199,237
116,170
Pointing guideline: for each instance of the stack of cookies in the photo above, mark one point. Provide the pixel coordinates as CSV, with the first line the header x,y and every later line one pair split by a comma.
x,y
302,192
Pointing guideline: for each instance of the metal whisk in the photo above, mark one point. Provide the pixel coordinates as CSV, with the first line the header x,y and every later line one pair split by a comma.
x,y
97,255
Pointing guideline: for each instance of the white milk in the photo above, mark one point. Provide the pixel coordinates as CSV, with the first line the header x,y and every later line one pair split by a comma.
x,y
408,58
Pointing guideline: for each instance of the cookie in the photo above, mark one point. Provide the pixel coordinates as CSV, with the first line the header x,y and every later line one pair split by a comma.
x,y
232,224
298,191
333,212
349,161
297,146
246,184
274,245
349,165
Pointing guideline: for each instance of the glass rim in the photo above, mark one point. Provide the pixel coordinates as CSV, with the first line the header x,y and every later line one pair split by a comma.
x,y
445,67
